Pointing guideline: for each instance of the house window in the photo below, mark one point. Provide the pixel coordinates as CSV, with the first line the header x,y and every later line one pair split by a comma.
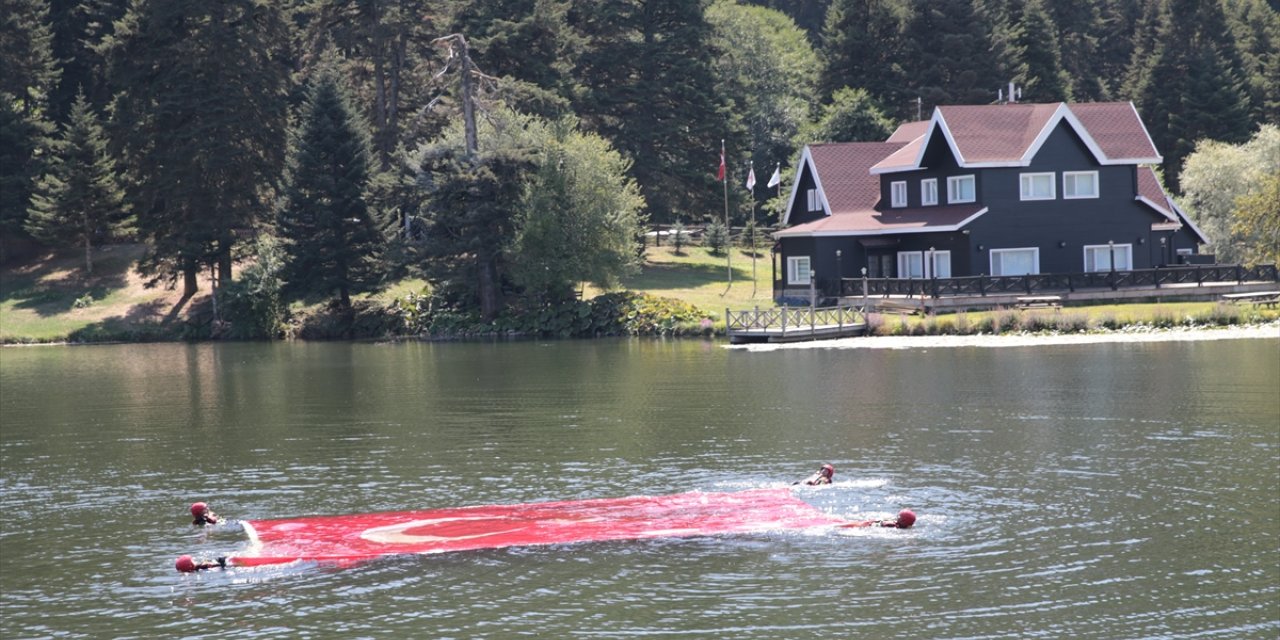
x,y
929,192
798,271
910,264
898,194
1038,186
913,264
815,203
961,189
940,265
1015,262
1097,257
1079,184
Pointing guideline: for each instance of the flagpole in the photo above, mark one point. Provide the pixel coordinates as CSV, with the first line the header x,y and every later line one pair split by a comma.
x,y
728,231
752,189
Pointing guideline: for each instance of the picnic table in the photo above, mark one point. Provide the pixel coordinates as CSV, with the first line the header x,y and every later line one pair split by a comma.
x,y
1031,302
1257,298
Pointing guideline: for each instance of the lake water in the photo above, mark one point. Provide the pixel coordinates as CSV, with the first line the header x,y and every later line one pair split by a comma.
x,y
1074,491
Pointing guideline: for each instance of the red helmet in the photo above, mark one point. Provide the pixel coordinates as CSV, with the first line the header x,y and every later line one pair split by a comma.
x,y
906,518
185,564
198,509
829,470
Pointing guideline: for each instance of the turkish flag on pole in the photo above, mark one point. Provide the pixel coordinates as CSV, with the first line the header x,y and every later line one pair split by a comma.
x,y
720,175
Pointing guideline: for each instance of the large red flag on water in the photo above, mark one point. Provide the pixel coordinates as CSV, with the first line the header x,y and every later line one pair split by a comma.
x,y
356,537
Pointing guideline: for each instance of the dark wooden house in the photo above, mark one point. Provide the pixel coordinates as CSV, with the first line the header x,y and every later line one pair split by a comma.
x,y
1004,189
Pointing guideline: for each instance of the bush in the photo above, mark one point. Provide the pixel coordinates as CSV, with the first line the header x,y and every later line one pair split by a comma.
x,y
253,307
624,313
717,238
1071,322
1005,321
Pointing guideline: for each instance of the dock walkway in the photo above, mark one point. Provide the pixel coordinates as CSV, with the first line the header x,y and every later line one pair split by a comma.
x,y
794,324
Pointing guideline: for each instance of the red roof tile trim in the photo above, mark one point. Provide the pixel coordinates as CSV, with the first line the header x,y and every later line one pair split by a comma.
x,y
869,222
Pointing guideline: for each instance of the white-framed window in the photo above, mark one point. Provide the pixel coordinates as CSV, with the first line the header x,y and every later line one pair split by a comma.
x,y
1098,257
1038,186
924,264
961,189
815,203
1186,252
1079,184
798,270
898,193
910,264
928,192
1015,262
940,264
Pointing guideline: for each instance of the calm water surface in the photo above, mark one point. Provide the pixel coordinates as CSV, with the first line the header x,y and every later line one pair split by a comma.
x,y
1086,491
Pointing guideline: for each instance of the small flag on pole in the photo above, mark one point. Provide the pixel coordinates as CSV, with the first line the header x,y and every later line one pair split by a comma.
x,y
751,177
720,175
776,179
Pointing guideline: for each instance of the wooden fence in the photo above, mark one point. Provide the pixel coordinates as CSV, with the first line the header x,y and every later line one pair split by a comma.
x,y
794,318
1057,282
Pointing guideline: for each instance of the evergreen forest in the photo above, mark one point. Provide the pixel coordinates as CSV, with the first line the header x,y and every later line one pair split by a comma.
x,y
508,150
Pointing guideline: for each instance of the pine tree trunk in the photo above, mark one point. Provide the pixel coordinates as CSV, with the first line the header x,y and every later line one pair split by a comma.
x,y
88,256
189,283
224,263
488,291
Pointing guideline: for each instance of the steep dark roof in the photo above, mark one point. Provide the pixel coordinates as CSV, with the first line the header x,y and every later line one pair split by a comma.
x,y
1010,134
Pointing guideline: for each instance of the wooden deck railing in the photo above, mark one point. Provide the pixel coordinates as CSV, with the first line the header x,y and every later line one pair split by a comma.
x,y
1057,282
793,318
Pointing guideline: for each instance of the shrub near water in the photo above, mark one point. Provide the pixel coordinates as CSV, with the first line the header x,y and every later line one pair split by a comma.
x,y
625,313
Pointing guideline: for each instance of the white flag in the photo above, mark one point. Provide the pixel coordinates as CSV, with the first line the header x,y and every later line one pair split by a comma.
x,y
777,176
751,178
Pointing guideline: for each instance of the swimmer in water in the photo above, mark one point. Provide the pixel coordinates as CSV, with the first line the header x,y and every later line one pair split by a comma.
x,y
905,519
187,564
821,476
202,515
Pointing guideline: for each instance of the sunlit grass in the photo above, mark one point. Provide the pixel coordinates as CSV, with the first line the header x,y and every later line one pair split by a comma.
x,y
702,279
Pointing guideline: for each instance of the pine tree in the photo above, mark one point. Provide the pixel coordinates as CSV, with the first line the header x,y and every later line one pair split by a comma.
x,y
530,45
1043,78
1079,24
948,57
1256,28
862,45
386,45
1189,89
470,222
79,27
27,72
200,109
329,233
646,75
79,200
852,116
1121,20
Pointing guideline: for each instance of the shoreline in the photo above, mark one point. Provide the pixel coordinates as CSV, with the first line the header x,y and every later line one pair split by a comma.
x,y
1133,334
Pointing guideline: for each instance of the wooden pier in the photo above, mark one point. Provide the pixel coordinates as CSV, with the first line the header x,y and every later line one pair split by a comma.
x,y
794,324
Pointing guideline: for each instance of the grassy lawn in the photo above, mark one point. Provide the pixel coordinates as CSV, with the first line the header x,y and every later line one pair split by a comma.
x,y
50,299
701,279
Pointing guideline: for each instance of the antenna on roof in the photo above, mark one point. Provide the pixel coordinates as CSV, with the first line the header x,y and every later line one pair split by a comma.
x,y
1015,94
919,107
